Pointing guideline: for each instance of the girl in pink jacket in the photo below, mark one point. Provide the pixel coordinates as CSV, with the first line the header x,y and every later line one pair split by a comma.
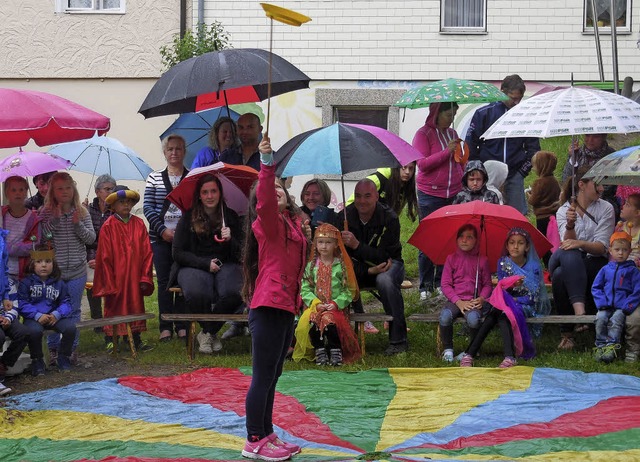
x,y
274,258
438,177
466,282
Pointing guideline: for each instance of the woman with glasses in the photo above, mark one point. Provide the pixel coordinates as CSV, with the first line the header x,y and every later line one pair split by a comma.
x,y
99,212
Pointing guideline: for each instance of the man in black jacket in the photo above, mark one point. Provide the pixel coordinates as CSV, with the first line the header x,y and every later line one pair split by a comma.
x,y
373,242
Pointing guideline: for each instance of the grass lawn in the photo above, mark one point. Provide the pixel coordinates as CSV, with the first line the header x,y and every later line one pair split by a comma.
x,y
422,337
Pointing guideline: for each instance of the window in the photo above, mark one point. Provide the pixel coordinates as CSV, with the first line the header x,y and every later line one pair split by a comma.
x,y
463,16
622,16
376,116
90,6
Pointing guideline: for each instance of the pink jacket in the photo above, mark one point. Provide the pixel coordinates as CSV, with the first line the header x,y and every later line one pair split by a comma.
x,y
459,276
282,248
438,173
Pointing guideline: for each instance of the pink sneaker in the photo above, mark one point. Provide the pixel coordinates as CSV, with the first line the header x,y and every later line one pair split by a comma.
x,y
369,328
292,448
264,450
466,360
507,362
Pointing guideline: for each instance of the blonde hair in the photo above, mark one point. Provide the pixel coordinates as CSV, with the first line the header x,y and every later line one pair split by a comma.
x,y
50,202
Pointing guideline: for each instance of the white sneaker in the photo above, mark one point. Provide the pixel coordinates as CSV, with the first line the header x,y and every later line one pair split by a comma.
x,y
4,390
216,344
204,340
447,356
423,295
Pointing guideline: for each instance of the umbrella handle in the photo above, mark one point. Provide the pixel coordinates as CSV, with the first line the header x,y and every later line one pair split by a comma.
x,y
217,239
215,236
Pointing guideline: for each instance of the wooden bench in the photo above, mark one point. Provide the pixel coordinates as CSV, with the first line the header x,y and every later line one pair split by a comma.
x,y
115,321
551,319
357,318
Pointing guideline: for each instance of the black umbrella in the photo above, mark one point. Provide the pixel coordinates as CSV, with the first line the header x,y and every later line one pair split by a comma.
x,y
221,78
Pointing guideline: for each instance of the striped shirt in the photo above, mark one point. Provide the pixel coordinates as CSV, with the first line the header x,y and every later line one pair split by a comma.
x,y
155,193
69,241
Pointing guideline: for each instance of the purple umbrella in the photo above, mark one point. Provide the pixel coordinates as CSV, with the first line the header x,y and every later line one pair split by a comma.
x,y
31,164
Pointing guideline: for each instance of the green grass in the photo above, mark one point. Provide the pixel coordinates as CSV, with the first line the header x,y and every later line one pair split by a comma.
x,y
422,337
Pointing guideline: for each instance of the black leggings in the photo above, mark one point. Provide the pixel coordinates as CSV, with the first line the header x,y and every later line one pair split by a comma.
x,y
330,334
495,316
271,334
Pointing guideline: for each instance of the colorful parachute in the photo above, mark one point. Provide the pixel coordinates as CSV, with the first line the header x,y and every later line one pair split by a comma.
x,y
385,414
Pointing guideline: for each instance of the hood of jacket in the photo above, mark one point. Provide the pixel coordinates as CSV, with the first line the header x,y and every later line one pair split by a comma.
x,y
544,162
470,167
497,172
432,118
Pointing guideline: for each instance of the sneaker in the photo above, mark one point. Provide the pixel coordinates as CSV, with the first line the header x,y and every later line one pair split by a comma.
x,y
235,330
109,347
37,367
265,450
165,336
53,357
630,357
143,347
64,363
369,328
321,357
335,357
609,354
216,344
396,348
74,358
597,353
508,361
204,340
4,390
436,293
466,360
447,356
292,448
423,295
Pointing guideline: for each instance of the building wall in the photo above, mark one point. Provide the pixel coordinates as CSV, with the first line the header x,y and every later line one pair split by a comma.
x,y
541,40
39,43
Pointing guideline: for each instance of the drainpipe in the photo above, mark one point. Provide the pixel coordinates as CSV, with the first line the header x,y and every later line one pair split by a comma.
x,y
183,18
200,11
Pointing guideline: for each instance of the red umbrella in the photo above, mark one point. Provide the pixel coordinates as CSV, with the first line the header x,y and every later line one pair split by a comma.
x,y
236,184
436,233
45,118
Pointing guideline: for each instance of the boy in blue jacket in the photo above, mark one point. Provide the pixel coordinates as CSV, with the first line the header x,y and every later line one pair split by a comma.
x,y
616,293
43,301
10,326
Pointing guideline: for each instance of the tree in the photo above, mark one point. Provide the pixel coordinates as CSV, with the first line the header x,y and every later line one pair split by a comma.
x,y
206,39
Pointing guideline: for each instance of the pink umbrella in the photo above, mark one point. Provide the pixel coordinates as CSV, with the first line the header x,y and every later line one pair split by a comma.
x,y
31,164
45,118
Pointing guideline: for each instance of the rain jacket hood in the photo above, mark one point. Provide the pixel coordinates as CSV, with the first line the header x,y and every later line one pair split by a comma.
x,y
497,172
470,167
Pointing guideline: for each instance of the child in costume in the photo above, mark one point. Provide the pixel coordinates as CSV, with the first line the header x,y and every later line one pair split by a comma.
x,y
123,274
466,282
520,293
44,303
474,185
10,326
616,293
328,287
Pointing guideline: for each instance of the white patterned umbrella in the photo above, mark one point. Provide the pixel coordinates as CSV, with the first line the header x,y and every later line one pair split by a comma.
x,y
572,111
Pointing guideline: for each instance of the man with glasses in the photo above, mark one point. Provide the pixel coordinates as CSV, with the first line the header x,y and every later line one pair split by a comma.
x,y
515,152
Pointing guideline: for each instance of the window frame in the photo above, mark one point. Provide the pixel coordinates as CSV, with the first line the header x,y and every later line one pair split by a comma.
x,y
62,7
463,30
606,30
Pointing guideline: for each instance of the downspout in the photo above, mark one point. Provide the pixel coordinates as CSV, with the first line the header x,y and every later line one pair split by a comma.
x,y
200,11
183,18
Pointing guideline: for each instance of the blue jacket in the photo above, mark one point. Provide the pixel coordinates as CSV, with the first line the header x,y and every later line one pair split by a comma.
x,y
36,298
617,286
515,152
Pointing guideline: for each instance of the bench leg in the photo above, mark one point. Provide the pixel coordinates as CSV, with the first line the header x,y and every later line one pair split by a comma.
x,y
191,341
132,344
359,327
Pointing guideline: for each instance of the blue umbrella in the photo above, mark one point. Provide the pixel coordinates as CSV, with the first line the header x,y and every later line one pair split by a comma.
x,y
101,154
194,127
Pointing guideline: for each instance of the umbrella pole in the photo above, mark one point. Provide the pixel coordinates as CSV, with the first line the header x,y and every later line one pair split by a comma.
x,y
344,204
269,78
